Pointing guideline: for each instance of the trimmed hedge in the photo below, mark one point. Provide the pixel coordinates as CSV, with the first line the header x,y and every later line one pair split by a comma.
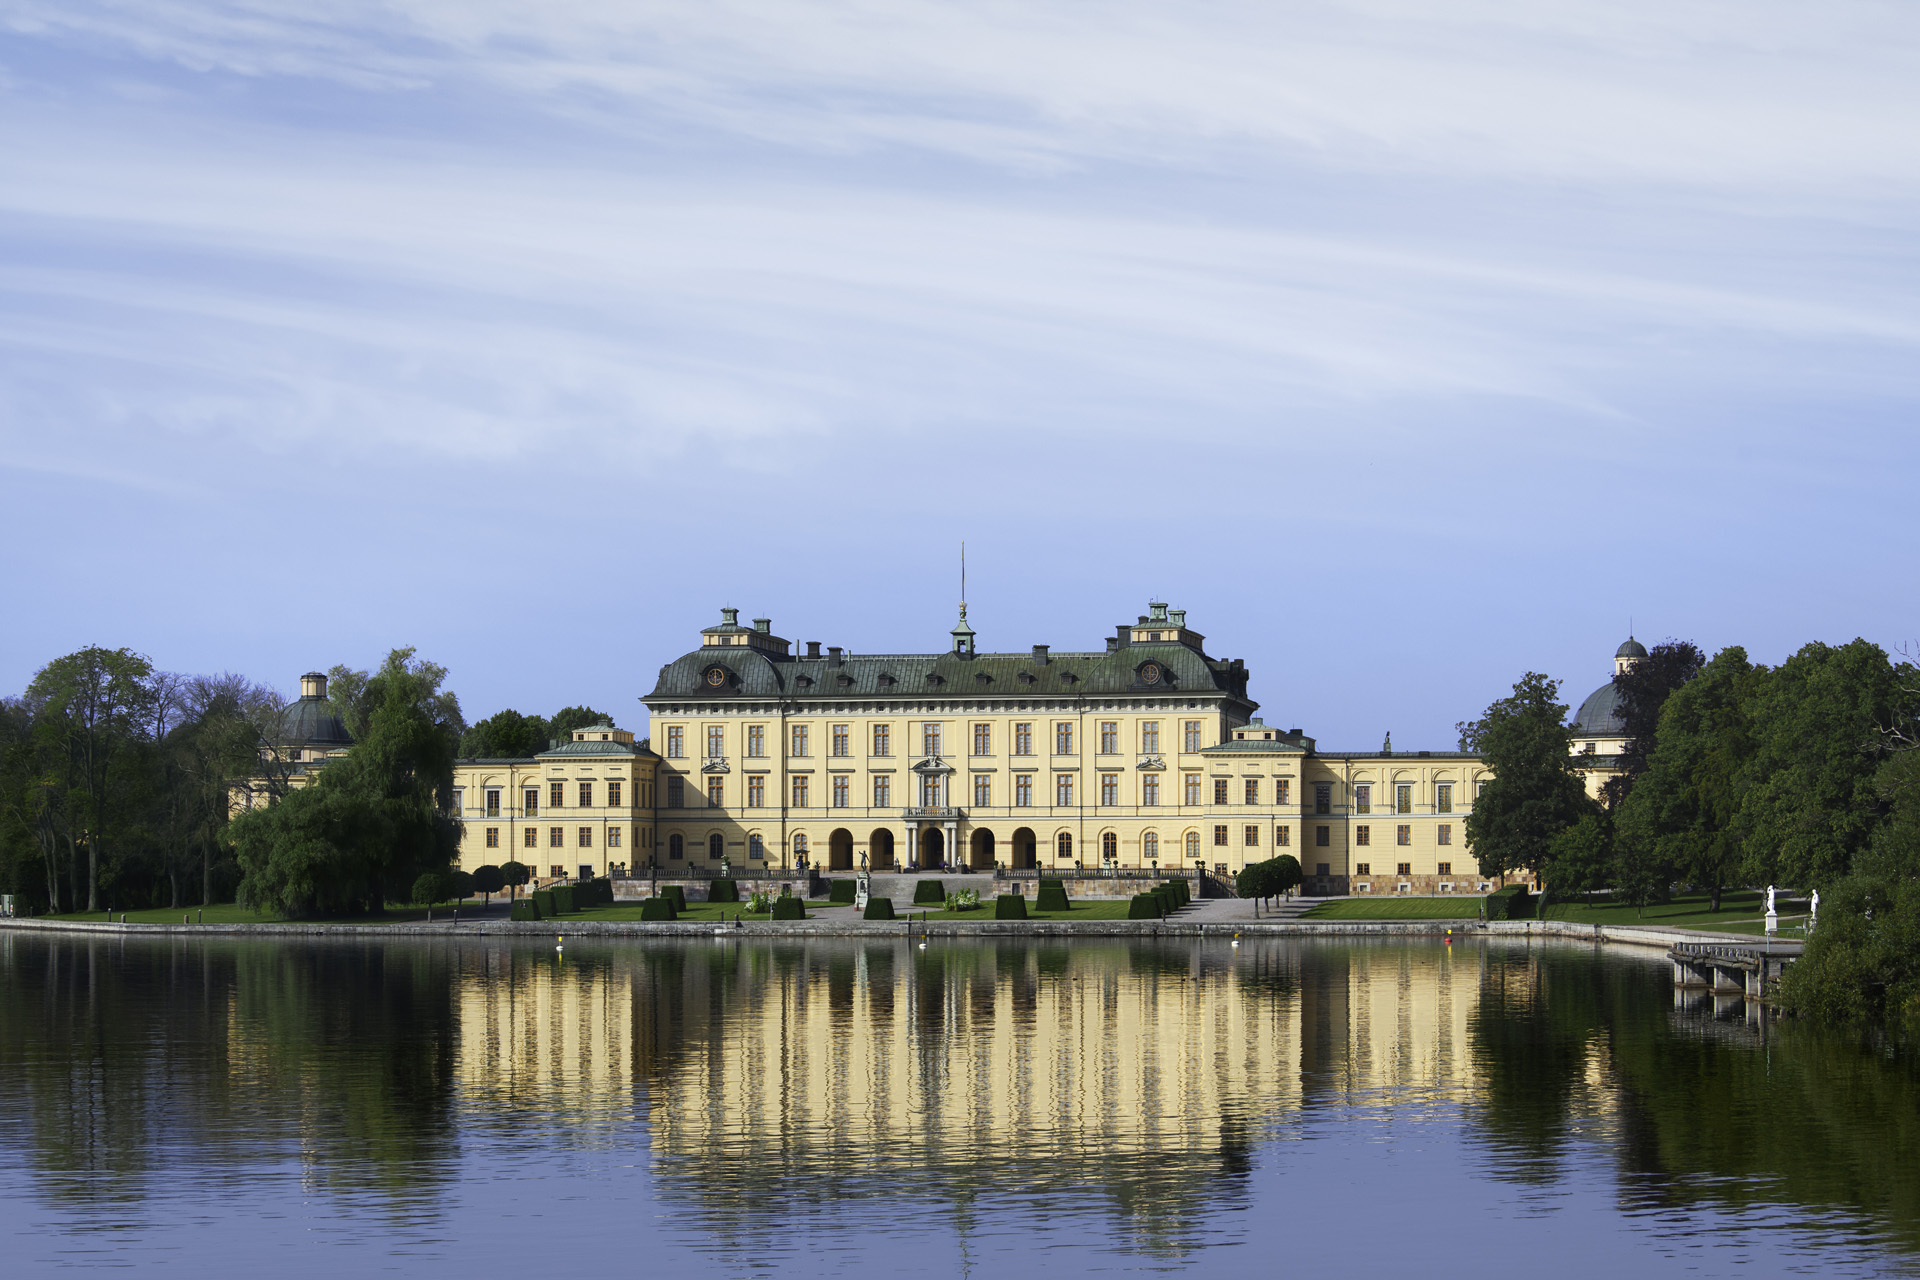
x,y
676,894
524,909
789,909
543,899
929,892
843,891
1010,906
1146,906
1510,903
1053,896
658,909
1169,900
1181,890
879,909
563,902
722,891
597,892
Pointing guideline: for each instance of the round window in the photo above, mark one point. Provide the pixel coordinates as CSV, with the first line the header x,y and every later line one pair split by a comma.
x,y
1150,673
716,676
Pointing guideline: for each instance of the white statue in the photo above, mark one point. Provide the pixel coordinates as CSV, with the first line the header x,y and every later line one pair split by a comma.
x,y
1815,905
1770,910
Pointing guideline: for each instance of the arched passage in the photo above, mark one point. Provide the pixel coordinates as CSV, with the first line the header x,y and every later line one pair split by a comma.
x,y
840,850
1025,845
982,852
880,850
933,848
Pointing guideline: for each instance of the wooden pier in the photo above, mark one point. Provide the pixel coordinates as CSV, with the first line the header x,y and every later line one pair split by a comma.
x,y
1732,968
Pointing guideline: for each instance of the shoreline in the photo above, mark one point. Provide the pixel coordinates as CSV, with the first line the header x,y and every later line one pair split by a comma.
x,y
1599,934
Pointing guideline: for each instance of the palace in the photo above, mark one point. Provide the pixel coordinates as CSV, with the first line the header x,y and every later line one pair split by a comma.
x,y
1143,754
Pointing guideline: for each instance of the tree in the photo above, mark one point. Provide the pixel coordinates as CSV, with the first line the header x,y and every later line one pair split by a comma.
x,y
515,874
1683,815
567,719
433,886
1580,859
350,693
505,735
1642,690
373,820
1268,879
489,880
1535,792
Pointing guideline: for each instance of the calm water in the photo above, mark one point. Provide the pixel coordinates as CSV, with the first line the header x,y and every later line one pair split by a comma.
x,y
842,1107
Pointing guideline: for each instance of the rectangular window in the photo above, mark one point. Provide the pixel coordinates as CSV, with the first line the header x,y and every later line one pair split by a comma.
x,y
1445,868
930,792
556,837
1322,837
1189,788
1150,788
1403,834
676,742
757,740
613,837
841,791
1363,868
930,738
556,794
1443,834
1063,789
1443,798
1402,798
841,744
613,795
1406,868
1023,790
1282,837
716,792
983,739
1220,786
1363,835
1023,739
1109,789
716,741
982,789
797,737
1190,735
1150,737
1320,868
1109,737
800,792
1323,798
531,799
1282,791
493,837
1362,798
1251,836
882,791
1253,791
757,792
756,849
883,740
530,837
586,837
1063,738
676,793
1220,835
586,795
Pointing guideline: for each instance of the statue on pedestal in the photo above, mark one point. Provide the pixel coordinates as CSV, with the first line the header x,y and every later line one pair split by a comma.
x,y
1773,917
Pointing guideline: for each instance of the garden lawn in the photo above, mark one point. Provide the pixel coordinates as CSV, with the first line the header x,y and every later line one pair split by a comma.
x,y
1464,907
230,913
1739,909
1102,910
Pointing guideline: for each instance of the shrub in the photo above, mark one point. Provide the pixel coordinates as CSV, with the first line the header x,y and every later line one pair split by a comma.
x,y
1010,906
543,898
722,891
842,891
789,909
1182,894
563,903
1510,903
1146,906
759,901
929,892
432,887
1169,900
660,908
677,895
597,892
1053,896
964,900
879,909
524,909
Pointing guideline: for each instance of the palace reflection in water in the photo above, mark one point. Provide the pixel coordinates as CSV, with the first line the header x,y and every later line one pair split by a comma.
x,y
1129,1087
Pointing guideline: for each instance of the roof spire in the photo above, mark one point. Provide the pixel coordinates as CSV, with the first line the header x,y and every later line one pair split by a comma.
x,y
962,633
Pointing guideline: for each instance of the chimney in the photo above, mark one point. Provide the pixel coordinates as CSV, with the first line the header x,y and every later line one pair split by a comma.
x,y
763,625
1158,609
1113,644
833,654
729,617
813,648
1178,617
1040,658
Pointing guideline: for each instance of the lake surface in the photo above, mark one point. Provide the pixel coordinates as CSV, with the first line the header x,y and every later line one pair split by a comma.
x,y
490,1107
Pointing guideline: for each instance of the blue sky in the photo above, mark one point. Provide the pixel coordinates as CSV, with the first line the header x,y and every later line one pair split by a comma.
x,y
1408,347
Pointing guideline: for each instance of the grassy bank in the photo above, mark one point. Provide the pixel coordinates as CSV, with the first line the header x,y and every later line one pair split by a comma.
x,y
1461,908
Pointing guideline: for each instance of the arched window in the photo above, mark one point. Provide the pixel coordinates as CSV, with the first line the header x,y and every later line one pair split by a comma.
x,y
1109,845
1150,846
1193,845
716,848
1064,845
676,847
799,849
756,848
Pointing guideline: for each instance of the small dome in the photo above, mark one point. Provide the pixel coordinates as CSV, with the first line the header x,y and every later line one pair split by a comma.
x,y
312,722
1599,715
1631,649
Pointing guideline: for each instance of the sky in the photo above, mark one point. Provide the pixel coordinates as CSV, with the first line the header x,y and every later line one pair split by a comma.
x,y
1408,347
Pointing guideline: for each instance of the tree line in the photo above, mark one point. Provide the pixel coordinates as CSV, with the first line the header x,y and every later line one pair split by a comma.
x,y
1733,774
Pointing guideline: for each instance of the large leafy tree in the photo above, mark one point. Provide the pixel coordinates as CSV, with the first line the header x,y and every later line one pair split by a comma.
x,y
375,819
1535,792
1681,820
505,735
1641,692
567,719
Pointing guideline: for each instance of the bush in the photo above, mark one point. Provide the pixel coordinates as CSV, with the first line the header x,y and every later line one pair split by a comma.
x,y
759,902
964,900
842,891
524,909
597,892
722,891
543,898
432,887
1169,900
879,909
660,908
1053,896
563,902
1182,893
675,894
1010,906
1510,903
929,893
789,909
1146,906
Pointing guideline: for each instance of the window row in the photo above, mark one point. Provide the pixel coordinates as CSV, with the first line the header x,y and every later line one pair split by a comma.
x,y
556,837
1403,868
556,797
931,740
